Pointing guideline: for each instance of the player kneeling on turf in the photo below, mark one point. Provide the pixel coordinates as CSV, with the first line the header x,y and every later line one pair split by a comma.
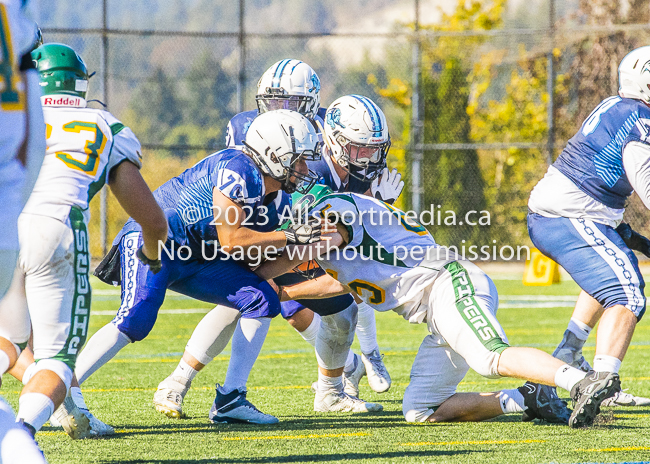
x,y
406,271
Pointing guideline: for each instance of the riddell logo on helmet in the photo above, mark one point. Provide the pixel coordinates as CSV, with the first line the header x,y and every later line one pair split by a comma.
x,y
63,101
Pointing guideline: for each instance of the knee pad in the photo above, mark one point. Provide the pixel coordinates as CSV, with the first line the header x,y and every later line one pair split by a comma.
x,y
340,327
58,367
416,415
29,373
420,401
335,338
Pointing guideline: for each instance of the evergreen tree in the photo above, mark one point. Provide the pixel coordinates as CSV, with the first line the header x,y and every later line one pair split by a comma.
x,y
451,178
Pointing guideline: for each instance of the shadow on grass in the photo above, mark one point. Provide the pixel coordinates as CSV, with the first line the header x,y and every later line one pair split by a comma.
x,y
301,425
397,455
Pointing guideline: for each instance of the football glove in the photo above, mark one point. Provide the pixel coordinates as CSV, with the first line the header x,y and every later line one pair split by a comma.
x,y
303,234
634,240
388,186
155,265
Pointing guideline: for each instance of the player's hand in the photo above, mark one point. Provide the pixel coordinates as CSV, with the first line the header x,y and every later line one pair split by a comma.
x,y
388,186
633,240
309,232
155,265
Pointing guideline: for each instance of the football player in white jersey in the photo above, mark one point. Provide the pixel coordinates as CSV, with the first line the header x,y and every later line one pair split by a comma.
x,y
393,263
22,147
86,148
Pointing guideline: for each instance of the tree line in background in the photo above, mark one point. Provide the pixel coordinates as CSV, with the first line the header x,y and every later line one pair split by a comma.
x,y
473,90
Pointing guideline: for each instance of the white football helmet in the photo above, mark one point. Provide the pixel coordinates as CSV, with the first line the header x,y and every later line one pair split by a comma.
x,y
290,85
276,140
356,133
634,75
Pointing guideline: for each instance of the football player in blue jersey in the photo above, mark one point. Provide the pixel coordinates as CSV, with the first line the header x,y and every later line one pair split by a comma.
x,y
574,212
288,84
222,212
346,166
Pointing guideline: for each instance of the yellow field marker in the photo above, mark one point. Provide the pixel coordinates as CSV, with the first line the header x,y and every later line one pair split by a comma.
x,y
482,442
299,437
605,450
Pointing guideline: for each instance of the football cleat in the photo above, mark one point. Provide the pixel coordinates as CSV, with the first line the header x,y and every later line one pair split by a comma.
x,y
621,398
569,352
97,427
542,403
169,396
588,395
333,401
378,377
74,422
234,408
351,379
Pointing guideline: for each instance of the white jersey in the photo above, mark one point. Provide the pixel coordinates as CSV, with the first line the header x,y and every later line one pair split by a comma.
x,y
391,261
83,145
17,34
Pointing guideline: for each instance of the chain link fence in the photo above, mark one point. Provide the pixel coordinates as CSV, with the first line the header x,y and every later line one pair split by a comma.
x,y
476,112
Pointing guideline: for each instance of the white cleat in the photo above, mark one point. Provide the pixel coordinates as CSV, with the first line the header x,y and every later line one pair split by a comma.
x,y
378,376
351,379
234,408
97,427
74,422
621,398
333,401
168,399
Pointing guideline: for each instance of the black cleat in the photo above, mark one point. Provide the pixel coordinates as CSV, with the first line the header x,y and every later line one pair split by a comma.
x,y
589,393
542,403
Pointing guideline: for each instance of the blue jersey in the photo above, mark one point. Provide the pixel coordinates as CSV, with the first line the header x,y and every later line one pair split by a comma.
x,y
593,158
187,200
239,124
327,176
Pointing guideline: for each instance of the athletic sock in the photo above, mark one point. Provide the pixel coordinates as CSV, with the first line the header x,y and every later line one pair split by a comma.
x,y
100,349
16,442
566,377
4,362
367,328
605,363
78,398
349,363
511,401
245,348
185,371
579,329
326,383
311,332
35,409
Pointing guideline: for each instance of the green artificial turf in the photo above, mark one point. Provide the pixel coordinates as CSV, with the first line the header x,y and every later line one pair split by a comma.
x,y
121,392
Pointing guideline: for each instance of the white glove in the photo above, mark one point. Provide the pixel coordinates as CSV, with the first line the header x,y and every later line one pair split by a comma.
x,y
388,186
302,234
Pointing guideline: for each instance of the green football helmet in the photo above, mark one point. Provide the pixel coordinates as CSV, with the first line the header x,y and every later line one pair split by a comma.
x,y
61,70
302,202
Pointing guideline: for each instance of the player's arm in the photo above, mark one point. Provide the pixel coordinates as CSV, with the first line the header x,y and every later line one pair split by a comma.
x,y
636,162
133,194
321,287
229,219
295,255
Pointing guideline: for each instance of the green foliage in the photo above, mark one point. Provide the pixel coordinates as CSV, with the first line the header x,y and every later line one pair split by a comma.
x,y
520,116
451,178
